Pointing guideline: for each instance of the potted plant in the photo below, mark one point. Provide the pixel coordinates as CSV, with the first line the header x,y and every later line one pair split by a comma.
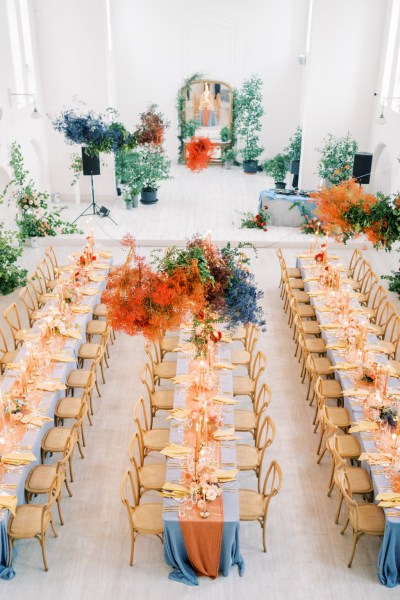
x,y
293,152
152,166
152,127
228,156
248,111
277,168
132,191
225,134
337,158
190,128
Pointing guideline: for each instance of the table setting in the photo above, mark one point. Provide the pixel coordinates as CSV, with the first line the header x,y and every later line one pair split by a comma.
x,y
371,392
34,382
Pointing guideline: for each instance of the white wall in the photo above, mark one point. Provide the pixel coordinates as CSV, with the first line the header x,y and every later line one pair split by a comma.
x,y
341,75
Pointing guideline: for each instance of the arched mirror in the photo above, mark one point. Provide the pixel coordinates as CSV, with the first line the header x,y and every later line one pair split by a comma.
x,y
208,112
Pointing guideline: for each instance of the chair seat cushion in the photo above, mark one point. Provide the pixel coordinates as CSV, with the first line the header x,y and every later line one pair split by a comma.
x,y
152,477
371,519
247,457
251,505
348,446
27,521
147,518
40,479
293,273
245,420
338,416
100,310
360,480
165,370
169,343
301,297
23,334
315,345
87,350
68,407
388,347
78,378
331,388
240,357
163,399
296,284
9,357
311,328
322,365
156,439
395,365
242,385
306,311
54,439
96,327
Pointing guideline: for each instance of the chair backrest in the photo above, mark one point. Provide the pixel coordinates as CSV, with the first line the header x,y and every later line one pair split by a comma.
x,y
265,432
279,253
3,343
37,285
136,451
392,333
377,300
44,271
344,485
258,366
53,493
355,258
52,258
28,301
11,316
142,417
272,483
147,378
262,398
368,284
361,269
385,316
129,491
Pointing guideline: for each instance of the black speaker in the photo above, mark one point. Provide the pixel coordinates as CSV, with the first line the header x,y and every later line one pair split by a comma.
x,y
90,164
362,167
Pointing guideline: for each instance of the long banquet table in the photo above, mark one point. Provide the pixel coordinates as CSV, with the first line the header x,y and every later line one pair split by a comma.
x,y
280,207
175,553
33,435
389,555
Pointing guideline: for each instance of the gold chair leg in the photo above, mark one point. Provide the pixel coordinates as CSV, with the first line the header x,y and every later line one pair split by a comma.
x,y
102,370
339,507
98,390
43,545
356,537
132,548
345,526
80,449
71,476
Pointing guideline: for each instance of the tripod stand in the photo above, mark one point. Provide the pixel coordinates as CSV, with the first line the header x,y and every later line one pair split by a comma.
x,y
93,208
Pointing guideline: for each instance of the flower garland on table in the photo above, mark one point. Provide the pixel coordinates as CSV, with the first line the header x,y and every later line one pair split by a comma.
x,y
199,151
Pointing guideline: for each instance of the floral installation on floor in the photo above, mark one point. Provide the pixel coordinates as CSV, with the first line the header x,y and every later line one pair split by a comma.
x,y
258,221
198,153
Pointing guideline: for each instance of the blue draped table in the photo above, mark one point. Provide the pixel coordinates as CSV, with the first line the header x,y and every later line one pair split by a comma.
x,y
389,554
174,546
279,207
33,436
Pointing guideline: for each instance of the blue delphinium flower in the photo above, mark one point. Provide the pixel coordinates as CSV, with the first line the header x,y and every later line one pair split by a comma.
x,y
241,300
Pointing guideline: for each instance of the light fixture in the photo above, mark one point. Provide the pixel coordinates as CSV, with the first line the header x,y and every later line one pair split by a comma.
x,y
35,113
381,120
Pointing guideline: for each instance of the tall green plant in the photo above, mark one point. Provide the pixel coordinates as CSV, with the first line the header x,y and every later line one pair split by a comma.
x,y
248,111
293,149
337,157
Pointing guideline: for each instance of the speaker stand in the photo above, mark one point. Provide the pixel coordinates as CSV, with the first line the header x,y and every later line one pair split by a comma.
x,y
93,208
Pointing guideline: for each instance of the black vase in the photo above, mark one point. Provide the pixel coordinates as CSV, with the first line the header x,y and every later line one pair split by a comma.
x,y
148,197
250,166
280,185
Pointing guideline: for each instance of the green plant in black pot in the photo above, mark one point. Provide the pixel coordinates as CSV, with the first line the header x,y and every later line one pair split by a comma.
x,y
248,109
277,168
153,166
293,153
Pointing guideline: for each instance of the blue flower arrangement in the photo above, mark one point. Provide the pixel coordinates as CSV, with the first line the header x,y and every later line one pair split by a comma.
x,y
241,300
93,131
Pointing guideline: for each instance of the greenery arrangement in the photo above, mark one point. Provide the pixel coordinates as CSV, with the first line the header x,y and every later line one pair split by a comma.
x,y
180,107
11,276
293,149
346,211
35,218
97,132
258,221
225,134
152,126
76,167
149,166
190,128
337,157
276,167
311,223
248,111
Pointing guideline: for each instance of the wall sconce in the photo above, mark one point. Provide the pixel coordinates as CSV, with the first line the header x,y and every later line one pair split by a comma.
x,y
35,113
381,120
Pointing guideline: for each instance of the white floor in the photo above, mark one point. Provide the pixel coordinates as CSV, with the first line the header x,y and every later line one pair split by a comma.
x,y
306,554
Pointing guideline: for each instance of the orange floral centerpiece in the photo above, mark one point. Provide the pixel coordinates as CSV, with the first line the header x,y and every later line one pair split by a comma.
x,y
199,152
